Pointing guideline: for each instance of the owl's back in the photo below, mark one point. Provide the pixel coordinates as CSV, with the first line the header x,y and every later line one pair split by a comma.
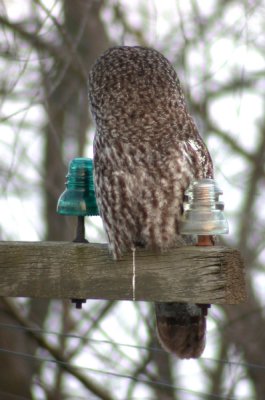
x,y
146,148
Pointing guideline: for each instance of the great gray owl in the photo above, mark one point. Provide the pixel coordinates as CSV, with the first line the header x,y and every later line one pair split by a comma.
x,y
147,150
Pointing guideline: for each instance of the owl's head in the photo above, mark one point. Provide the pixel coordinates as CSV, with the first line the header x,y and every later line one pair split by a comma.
x,y
134,86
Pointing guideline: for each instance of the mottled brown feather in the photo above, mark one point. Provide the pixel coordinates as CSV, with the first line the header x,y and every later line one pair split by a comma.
x,y
147,150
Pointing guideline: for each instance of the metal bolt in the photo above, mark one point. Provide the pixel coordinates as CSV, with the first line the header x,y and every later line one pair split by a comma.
x,y
78,303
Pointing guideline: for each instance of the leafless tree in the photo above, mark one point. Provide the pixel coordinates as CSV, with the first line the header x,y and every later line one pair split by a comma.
x,y
46,51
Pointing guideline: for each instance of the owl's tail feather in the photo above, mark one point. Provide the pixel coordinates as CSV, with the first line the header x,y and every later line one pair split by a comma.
x,y
181,328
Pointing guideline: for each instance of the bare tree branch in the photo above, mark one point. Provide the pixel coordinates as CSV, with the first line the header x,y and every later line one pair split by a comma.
x,y
87,382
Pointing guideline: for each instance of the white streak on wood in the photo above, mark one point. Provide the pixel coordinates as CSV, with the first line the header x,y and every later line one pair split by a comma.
x,y
133,274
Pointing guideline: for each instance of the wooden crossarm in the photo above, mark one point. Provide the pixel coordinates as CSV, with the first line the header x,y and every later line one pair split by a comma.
x,y
211,274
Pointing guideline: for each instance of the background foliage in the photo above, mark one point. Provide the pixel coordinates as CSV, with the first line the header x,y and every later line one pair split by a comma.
x,y
46,51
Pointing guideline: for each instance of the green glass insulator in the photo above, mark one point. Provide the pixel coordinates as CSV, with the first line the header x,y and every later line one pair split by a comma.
x,y
79,197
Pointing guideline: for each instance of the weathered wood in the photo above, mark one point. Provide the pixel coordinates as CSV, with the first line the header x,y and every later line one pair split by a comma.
x,y
72,270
